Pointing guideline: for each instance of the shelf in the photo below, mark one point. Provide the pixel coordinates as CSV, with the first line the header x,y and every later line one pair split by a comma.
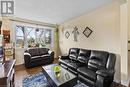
x,y
6,35
9,52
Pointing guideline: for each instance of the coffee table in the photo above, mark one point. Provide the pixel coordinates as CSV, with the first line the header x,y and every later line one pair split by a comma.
x,y
66,79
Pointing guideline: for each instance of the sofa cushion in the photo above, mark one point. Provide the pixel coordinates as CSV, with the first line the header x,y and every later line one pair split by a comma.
x,y
72,65
84,52
34,57
83,55
64,61
43,51
45,56
96,64
87,73
73,53
82,59
98,60
64,66
100,54
33,51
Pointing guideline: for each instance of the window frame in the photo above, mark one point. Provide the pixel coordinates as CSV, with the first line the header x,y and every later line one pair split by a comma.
x,y
25,36
19,36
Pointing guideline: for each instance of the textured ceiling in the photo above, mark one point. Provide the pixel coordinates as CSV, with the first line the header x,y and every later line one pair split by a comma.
x,y
55,11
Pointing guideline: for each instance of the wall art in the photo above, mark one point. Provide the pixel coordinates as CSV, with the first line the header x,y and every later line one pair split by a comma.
x,y
67,34
76,33
87,32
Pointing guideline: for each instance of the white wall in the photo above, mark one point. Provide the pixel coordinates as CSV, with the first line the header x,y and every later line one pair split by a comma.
x,y
129,37
105,23
124,44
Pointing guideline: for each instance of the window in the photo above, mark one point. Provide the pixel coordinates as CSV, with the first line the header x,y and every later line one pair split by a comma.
x,y
48,36
30,36
19,36
40,37
33,37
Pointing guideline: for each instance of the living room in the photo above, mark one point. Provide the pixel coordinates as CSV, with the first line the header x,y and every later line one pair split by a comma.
x,y
62,29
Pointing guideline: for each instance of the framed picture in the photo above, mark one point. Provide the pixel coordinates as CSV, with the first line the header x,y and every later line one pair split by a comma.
x,y
67,34
87,32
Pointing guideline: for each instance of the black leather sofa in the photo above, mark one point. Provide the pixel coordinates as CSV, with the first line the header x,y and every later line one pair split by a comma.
x,y
38,56
94,68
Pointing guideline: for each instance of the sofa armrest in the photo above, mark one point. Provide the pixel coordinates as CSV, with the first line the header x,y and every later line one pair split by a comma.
x,y
27,54
105,72
27,58
64,57
50,52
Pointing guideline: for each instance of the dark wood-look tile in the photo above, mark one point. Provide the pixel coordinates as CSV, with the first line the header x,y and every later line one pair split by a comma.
x,y
22,72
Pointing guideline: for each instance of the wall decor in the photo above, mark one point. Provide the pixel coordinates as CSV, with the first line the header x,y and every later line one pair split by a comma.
x,y
67,34
62,28
87,32
76,33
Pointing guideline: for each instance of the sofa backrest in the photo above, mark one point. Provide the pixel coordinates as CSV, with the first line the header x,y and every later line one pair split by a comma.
x,y
111,61
94,59
83,55
32,51
73,53
37,51
98,60
43,51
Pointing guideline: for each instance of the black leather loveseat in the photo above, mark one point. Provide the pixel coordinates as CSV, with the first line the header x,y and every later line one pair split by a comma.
x,y
94,68
38,56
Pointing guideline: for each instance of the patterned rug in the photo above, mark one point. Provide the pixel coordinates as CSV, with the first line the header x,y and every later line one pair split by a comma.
x,y
39,80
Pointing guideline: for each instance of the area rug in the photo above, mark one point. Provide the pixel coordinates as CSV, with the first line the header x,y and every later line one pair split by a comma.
x,y
39,80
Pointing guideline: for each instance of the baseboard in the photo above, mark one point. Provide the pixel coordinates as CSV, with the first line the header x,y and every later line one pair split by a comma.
x,y
56,58
117,81
19,65
125,83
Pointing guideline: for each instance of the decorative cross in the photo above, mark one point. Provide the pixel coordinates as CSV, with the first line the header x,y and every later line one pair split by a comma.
x,y
76,33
